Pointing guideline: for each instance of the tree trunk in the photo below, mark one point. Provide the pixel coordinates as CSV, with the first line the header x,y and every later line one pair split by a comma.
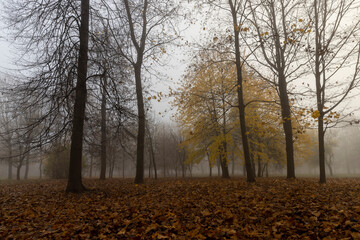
x,y
153,161
259,166
123,164
91,166
241,105
139,178
103,129
75,178
18,168
210,167
27,166
224,163
287,125
233,163
319,96
321,149
40,167
330,168
219,167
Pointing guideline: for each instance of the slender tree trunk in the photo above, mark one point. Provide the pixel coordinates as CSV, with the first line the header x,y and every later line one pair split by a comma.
x,y
150,163
40,166
153,161
75,178
233,163
123,164
321,149
218,167
259,173
210,166
328,163
139,178
267,170
10,164
18,168
319,95
27,166
103,129
241,105
91,166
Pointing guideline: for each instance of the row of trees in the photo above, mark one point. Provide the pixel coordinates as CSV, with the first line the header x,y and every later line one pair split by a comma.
x,y
83,64
77,58
285,43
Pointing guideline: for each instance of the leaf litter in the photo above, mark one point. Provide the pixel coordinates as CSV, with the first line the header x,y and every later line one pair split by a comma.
x,y
215,208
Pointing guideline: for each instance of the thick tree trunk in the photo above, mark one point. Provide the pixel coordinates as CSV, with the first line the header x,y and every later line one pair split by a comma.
x,y
103,129
241,105
75,178
139,178
287,125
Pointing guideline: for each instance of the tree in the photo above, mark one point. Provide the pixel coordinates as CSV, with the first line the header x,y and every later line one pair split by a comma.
x,y
143,23
75,166
278,32
237,23
336,47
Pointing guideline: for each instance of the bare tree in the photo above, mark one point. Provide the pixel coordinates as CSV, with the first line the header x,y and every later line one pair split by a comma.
x,y
143,24
75,177
333,48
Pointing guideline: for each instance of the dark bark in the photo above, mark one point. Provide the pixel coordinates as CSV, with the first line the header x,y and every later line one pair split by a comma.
x,y
259,172
210,166
319,99
241,105
103,129
287,125
27,166
139,178
40,167
140,48
223,163
75,166
18,168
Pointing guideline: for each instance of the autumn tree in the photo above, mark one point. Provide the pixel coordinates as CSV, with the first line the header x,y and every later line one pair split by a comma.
x,y
274,35
204,103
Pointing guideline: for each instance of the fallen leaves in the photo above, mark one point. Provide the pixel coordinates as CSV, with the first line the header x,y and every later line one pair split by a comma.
x,y
183,209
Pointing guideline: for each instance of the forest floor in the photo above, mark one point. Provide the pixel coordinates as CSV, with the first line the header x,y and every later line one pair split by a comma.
x,y
206,208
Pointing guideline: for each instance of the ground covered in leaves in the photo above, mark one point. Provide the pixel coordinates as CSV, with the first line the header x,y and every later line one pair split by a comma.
x,y
182,209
